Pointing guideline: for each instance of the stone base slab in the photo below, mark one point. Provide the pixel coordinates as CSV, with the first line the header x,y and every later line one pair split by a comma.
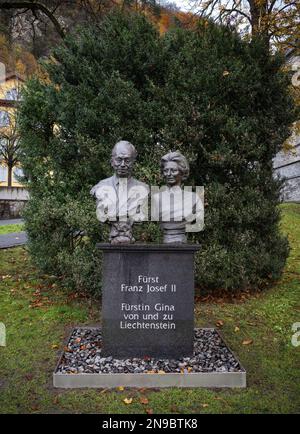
x,y
112,380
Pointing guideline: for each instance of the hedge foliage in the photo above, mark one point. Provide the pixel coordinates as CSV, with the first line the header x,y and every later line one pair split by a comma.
x,y
221,101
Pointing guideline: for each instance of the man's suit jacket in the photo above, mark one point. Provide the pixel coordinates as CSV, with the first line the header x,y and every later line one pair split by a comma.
x,y
121,197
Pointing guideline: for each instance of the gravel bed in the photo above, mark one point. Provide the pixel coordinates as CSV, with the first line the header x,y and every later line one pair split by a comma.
x,y
83,355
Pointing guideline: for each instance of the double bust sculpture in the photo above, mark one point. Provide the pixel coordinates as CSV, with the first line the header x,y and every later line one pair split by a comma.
x,y
122,200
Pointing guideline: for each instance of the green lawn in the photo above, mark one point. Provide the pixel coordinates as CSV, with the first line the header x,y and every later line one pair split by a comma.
x,y
7,229
39,314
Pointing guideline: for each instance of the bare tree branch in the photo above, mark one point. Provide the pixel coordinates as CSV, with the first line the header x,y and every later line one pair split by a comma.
x,y
34,7
229,11
284,7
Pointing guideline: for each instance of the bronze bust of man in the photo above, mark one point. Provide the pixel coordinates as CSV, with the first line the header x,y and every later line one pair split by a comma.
x,y
121,199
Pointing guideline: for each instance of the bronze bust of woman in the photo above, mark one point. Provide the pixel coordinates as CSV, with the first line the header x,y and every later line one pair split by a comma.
x,y
176,207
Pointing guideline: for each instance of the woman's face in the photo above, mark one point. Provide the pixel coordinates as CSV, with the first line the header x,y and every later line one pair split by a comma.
x,y
172,174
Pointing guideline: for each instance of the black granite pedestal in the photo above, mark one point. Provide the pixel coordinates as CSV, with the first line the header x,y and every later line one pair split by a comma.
x,y
148,300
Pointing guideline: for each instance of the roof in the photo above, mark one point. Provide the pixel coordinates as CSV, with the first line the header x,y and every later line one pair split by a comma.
x,y
12,75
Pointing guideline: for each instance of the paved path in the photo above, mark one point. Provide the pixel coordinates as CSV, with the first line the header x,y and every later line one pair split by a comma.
x,y
11,222
13,239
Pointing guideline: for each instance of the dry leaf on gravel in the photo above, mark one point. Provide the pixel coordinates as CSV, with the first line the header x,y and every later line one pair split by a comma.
x,y
128,401
144,400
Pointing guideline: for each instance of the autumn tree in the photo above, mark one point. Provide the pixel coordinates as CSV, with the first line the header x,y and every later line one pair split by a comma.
x,y
276,21
39,25
9,143
16,58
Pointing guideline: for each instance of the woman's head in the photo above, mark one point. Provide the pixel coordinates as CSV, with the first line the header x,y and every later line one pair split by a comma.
x,y
174,168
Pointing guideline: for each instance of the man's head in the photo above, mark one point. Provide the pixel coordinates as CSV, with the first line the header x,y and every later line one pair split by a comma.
x,y
122,158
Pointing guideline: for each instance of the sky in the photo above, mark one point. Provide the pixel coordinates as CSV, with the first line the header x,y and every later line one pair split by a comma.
x,y
182,4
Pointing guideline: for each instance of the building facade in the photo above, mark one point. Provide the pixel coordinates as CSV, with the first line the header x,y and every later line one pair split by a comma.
x,y
286,164
13,195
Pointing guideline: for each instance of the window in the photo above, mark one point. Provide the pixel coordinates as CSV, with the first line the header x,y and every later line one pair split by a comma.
x,y
3,174
17,173
12,94
4,119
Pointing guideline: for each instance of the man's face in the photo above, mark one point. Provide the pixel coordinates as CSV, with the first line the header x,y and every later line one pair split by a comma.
x,y
122,162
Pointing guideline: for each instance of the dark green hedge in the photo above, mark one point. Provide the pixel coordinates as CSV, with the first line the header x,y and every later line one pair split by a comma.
x,y
223,102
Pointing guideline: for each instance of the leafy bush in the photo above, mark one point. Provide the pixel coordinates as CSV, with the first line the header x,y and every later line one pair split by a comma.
x,y
223,102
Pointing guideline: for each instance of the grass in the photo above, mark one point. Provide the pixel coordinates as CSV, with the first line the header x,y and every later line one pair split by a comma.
x,y
38,315
7,229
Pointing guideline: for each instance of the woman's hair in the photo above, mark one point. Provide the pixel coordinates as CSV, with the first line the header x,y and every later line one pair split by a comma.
x,y
181,161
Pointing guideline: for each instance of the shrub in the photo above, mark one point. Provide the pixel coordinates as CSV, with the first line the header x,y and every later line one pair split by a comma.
x,y
223,102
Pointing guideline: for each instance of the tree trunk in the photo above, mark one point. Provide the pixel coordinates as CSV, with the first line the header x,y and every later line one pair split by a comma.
x,y
9,177
259,15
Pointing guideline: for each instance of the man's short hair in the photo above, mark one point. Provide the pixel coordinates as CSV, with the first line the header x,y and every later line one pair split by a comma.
x,y
125,144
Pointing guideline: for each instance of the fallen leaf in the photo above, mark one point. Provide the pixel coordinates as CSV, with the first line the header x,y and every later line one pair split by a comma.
x,y
54,346
219,323
144,400
225,73
121,388
236,329
35,305
247,342
128,400
142,390
29,377
204,405
149,411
